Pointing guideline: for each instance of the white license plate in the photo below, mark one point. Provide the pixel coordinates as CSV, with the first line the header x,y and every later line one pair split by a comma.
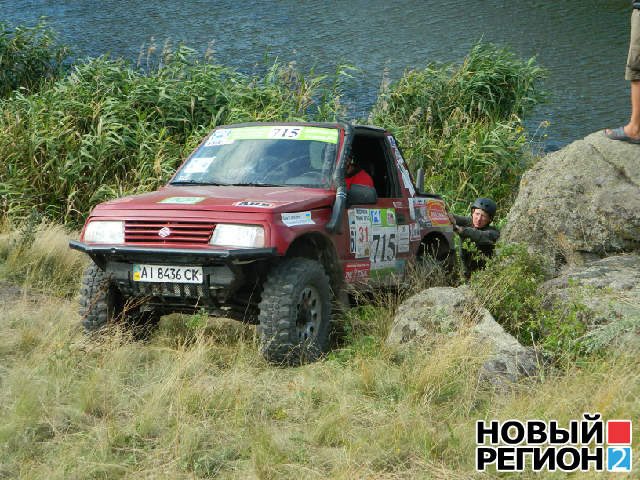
x,y
166,274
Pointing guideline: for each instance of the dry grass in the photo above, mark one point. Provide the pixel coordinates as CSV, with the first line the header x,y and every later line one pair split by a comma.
x,y
196,400
37,254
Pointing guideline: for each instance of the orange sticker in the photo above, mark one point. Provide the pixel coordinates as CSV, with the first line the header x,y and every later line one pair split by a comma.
x,y
437,213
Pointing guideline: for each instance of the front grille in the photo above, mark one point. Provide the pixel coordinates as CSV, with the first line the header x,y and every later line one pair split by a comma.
x,y
162,232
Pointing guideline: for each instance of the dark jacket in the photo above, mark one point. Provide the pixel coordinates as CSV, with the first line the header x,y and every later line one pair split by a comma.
x,y
485,240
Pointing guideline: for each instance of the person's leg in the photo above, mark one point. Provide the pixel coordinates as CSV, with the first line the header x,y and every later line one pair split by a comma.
x,y
632,73
632,129
465,259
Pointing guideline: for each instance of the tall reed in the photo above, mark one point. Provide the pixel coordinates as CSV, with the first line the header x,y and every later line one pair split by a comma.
x,y
29,56
108,129
462,124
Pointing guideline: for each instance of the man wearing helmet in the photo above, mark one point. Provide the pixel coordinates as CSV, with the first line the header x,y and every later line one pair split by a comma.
x,y
478,230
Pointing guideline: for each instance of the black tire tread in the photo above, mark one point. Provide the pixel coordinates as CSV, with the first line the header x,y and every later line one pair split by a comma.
x,y
278,341
94,295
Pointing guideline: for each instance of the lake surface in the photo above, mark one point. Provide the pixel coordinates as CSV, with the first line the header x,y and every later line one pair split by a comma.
x,y
582,44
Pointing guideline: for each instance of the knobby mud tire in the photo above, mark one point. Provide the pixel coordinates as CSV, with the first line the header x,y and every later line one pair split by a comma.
x,y
100,300
101,303
295,312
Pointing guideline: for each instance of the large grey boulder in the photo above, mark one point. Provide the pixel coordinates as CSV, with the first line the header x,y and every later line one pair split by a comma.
x,y
606,296
580,203
508,361
436,313
428,313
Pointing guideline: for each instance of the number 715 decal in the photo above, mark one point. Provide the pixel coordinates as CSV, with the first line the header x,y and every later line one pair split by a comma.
x,y
383,246
285,132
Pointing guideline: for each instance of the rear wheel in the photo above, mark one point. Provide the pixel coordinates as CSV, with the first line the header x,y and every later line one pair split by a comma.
x,y
435,258
295,312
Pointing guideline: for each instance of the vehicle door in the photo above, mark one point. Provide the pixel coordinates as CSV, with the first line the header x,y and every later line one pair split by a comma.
x,y
378,234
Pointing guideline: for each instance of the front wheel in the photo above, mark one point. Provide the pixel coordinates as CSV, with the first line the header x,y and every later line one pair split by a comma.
x,y
295,312
100,300
102,303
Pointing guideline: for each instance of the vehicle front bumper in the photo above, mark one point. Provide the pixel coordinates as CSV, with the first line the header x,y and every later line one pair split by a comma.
x,y
224,270
132,254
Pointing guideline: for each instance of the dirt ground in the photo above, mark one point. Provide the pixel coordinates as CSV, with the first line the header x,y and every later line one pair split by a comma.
x,y
9,293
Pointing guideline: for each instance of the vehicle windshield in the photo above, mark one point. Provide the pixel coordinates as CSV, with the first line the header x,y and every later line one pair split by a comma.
x,y
263,155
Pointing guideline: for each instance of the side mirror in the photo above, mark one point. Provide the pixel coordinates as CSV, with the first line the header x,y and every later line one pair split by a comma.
x,y
361,195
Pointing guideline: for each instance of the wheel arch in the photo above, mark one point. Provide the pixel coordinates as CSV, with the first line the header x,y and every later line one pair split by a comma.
x,y
320,248
435,244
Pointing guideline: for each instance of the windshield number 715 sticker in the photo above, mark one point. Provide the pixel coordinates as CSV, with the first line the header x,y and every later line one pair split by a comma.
x,y
285,132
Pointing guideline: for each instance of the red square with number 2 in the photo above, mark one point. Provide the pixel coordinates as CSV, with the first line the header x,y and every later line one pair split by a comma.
x,y
619,431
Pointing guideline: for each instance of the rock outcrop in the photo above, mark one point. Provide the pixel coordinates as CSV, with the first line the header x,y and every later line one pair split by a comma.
x,y
428,313
579,204
436,312
606,294
579,209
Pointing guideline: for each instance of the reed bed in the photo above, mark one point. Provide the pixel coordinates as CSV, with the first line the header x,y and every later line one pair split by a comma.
x,y
30,57
105,128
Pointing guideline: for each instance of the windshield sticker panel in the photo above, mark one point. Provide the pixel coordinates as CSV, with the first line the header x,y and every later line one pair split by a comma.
x,y
247,203
182,200
198,164
284,132
297,218
219,137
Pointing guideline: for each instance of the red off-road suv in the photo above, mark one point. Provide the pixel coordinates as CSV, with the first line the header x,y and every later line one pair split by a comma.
x,y
258,223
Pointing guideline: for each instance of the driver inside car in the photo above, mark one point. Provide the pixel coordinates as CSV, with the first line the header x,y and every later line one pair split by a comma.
x,y
356,175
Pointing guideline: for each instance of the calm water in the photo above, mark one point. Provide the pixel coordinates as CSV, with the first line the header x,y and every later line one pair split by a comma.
x,y
583,44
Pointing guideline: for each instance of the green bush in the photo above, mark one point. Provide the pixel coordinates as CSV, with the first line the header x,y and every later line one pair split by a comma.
x,y
510,289
463,124
29,56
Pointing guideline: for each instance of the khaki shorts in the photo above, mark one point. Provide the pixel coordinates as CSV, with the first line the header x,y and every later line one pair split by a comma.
x,y
633,60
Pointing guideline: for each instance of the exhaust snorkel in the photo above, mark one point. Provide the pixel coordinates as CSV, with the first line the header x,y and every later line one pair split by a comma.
x,y
335,222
